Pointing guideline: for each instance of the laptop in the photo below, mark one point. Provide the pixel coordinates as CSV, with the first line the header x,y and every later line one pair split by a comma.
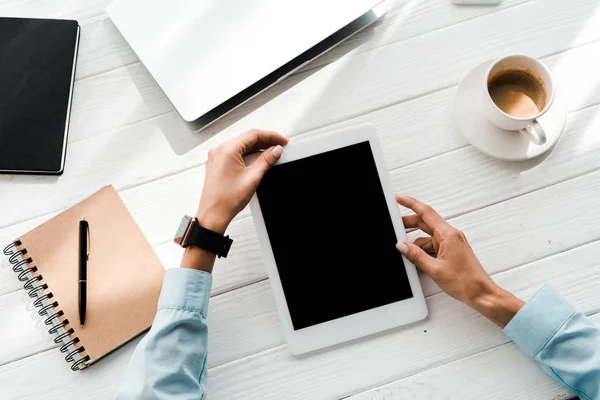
x,y
211,56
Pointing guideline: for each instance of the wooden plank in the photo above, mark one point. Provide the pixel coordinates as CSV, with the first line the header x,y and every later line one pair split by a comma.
x,y
118,98
336,372
242,323
53,379
101,49
465,180
530,227
508,374
112,99
409,18
22,334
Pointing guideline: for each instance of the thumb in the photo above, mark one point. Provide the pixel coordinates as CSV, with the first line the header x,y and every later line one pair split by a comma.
x,y
417,256
266,160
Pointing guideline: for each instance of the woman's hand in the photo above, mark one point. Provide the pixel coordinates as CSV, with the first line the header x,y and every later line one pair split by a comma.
x,y
449,260
229,184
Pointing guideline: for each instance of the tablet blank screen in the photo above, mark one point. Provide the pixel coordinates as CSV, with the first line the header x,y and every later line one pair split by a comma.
x,y
332,236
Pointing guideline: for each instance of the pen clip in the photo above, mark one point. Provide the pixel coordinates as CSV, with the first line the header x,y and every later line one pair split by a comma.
x,y
87,256
89,238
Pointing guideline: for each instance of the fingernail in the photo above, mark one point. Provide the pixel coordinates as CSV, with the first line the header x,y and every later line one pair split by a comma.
x,y
277,151
402,247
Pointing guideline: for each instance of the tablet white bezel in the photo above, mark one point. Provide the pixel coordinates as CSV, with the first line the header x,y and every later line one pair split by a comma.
x,y
356,325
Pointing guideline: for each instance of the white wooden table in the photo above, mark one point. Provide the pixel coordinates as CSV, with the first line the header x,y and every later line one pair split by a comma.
x,y
529,223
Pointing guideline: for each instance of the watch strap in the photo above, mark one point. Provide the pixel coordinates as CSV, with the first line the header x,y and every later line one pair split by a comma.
x,y
210,241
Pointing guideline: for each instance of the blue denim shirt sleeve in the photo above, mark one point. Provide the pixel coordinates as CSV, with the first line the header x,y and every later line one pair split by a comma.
x,y
170,361
565,343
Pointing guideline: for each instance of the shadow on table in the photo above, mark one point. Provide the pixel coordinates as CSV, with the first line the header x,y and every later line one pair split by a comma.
x,y
522,166
185,136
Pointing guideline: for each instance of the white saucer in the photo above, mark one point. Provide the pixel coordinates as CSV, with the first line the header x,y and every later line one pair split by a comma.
x,y
496,142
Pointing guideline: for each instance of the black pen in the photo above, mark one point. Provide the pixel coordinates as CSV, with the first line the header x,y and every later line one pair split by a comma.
x,y
83,258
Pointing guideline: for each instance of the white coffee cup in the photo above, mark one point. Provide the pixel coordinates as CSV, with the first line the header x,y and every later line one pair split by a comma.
x,y
529,126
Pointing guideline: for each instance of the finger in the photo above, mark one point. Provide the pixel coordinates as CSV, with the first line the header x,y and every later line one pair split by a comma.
x,y
410,221
417,256
255,139
427,214
424,227
426,243
415,221
266,160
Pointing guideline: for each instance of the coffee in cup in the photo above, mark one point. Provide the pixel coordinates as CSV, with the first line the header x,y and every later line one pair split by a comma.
x,y
518,90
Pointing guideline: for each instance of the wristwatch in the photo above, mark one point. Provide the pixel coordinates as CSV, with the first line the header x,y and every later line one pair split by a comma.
x,y
191,233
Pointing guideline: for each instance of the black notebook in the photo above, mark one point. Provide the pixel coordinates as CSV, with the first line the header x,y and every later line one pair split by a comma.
x,y
37,70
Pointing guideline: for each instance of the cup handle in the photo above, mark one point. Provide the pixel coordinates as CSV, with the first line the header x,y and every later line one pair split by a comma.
x,y
534,133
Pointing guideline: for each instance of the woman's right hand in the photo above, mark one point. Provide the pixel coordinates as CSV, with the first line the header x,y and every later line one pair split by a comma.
x,y
449,260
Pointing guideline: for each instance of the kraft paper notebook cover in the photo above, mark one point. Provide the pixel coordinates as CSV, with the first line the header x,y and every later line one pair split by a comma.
x,y
123,282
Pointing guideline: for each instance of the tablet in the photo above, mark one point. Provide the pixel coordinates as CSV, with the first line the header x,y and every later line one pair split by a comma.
x,y
328,224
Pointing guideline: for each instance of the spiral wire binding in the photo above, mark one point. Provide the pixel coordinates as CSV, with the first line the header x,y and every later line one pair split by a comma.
x,y
45,306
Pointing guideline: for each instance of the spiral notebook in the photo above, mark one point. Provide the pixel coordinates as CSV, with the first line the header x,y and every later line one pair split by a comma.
x,y
123,283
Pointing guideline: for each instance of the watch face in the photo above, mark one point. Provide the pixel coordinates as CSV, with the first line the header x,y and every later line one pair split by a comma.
x,y
182,230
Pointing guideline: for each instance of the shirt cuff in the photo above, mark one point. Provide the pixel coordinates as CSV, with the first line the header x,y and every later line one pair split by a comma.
x,y
185,288
538,320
